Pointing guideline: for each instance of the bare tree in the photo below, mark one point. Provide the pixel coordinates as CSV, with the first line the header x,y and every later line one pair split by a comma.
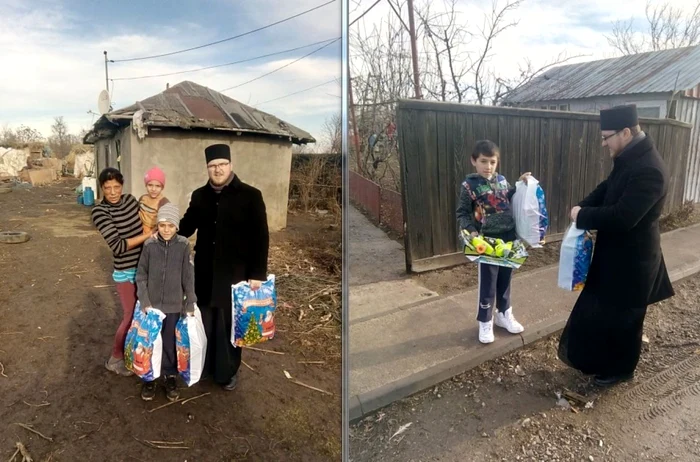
x,y
381,74
446,34
26,135
61,140
667,27
455,65
7,136
332,134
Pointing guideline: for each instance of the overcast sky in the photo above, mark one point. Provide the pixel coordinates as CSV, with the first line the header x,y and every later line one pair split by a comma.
x,y
52,62
546,29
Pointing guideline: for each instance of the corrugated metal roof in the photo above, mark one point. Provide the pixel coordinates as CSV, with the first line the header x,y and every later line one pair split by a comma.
x,y
190,105
653,72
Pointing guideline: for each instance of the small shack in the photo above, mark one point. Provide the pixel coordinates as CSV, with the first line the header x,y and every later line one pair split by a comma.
x,y
171,130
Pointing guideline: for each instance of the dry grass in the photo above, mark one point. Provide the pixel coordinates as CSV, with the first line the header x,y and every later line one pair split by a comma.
x,y
308,276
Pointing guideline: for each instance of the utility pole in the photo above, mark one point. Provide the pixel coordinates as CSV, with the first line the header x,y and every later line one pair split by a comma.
x,y
414,50
106,73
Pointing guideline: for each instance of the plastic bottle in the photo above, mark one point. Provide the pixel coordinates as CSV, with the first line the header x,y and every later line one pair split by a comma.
x,y
88,197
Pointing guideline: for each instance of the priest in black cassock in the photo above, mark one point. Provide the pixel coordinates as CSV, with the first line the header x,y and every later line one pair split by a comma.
x,y
603,336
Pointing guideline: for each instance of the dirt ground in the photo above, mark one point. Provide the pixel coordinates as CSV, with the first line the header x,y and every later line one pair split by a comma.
x,y
58,313
509,409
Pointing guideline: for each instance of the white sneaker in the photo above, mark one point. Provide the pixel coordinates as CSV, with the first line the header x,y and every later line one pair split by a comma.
x,y
508,322
486,332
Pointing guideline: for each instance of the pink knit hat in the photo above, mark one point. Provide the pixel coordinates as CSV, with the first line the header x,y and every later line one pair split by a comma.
x,y
155,174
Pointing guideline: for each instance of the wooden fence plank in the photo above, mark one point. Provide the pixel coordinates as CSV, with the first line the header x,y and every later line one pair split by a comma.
x,y
428,191
452,180
441,242
405,124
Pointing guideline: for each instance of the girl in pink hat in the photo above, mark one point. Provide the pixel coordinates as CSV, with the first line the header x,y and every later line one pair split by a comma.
x,y
152,201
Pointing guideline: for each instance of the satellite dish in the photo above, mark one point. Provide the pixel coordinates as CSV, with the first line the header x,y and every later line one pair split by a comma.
x,y
103,102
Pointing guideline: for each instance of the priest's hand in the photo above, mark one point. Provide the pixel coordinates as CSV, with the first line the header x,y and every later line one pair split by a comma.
x,y
574,213
255,284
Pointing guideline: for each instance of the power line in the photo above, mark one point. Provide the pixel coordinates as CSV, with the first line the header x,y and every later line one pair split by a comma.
x,y
297,92
226,64
226,39
366,11
281,67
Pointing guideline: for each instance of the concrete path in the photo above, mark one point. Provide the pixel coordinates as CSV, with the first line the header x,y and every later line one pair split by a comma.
x,y
397,348
373,256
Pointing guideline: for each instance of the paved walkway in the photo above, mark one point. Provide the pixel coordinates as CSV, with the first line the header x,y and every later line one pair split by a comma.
x,y
373,255
404,339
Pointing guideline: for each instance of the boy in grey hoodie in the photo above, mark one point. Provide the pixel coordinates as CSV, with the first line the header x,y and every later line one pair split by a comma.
x,y
165,280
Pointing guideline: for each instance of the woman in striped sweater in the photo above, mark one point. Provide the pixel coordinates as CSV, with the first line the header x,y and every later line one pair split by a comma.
x,y
117,219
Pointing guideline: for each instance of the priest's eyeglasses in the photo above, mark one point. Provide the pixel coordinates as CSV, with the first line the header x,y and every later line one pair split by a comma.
x,y
606,138
218,166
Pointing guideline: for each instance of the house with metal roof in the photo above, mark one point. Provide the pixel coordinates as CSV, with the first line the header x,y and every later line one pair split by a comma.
x,y
663,84
171,130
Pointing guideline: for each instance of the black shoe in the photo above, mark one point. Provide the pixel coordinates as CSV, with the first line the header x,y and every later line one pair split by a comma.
x,y
610,380
231,385
171,391
148,391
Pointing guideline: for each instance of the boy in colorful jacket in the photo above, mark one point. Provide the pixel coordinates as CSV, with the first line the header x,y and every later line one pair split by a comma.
x,y
485,208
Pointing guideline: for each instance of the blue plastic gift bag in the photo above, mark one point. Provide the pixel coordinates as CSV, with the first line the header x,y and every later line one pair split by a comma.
x,y
191,346
253,313
143,347
530,212
575,258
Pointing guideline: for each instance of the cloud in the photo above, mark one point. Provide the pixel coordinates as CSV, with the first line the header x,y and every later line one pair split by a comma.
x,y
52,67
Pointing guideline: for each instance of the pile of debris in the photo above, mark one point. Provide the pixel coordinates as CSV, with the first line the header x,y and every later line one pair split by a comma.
x,y
80,162
32,165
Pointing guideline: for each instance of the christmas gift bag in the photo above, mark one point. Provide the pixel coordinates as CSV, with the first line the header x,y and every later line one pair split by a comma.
x,y
143,347
575,258
530,212
191,346
253,313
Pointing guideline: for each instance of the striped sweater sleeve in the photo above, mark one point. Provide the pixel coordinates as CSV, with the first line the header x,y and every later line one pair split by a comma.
x,y
103,222
118,223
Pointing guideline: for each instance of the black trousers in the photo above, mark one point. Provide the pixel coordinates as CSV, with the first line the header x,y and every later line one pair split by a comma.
x,y
223,359
494,289
168,364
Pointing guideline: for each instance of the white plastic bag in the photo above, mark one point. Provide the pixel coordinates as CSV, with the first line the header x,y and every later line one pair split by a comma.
x,y
575,258
191,344
143,347
530,212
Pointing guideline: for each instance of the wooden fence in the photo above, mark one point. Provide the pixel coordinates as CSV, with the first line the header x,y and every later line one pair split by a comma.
x,y
562,150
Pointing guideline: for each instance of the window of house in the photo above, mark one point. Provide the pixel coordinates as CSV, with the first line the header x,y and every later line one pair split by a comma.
x,y
563,107
553,107
649,112
543,107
